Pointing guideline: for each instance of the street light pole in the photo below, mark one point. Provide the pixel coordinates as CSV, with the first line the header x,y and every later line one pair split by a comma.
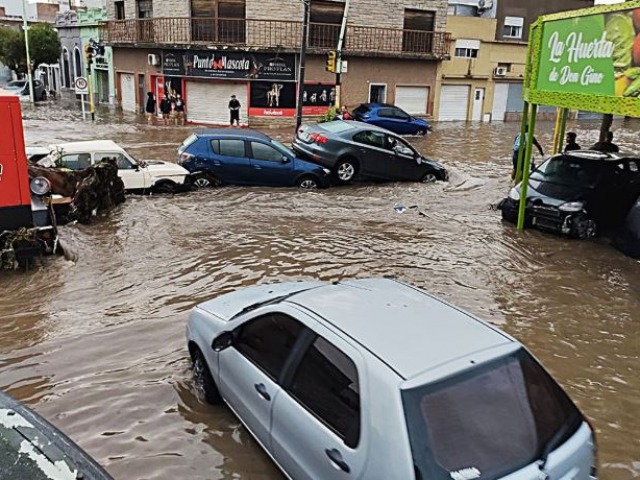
x,y
343,29
303,59
25,27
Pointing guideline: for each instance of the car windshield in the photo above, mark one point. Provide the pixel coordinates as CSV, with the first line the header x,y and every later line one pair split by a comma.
x,y
133,159
361,110
487,422
187,143
570,171
282,148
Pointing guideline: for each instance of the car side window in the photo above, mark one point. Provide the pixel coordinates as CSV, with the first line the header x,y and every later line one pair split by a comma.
x,y
326,384
229,148
76,161
122,162
265,152
385,113
399,146
633,167
268,340
400,114
368,137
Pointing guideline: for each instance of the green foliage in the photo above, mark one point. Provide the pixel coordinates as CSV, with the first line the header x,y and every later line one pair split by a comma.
x,y
329,115
44,46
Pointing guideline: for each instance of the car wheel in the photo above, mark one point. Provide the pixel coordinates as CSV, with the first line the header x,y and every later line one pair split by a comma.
x,y
203,380
345,170
422,131
429,178
164,187
307,183
582,227
204,180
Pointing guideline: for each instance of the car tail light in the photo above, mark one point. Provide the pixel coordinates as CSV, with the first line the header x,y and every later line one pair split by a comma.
x,y
185,157
318,138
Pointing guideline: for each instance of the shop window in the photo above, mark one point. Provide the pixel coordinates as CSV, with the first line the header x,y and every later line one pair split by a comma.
x,y
418,31
513,27
220,21
119,7
326,20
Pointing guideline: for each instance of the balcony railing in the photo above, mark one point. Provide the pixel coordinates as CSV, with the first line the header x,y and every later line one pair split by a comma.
x,y
275,34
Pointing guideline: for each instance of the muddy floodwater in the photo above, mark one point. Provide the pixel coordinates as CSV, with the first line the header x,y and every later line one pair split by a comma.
x,y
98,346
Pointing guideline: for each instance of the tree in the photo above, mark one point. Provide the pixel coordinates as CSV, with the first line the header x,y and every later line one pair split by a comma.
x,y
44,47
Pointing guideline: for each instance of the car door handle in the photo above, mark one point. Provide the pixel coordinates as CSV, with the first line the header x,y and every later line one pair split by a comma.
x,y
336,458
262,391
217,164
257,167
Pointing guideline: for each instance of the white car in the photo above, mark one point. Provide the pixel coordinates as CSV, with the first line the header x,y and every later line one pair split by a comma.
x,y
152,175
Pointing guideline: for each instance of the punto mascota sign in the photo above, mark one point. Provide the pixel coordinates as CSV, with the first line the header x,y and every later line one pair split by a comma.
x,y
588,59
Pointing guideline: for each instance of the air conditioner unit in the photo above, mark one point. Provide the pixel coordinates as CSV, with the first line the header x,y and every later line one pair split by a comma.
x,y
500,71
153,59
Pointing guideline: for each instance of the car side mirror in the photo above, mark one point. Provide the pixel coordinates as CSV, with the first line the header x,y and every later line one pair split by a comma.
x,y
222,341
285,159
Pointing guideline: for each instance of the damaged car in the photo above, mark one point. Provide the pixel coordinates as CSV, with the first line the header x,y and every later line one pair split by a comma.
x,y
578,194
351,149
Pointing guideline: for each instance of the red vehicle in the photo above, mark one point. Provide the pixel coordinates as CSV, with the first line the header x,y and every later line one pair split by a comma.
x,y
27,227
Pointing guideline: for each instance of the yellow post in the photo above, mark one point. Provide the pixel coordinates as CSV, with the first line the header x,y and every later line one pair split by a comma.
x,y
557,140
92,107
526,167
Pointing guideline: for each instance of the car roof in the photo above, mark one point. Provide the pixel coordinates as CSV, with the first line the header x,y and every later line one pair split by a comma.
x,y
596,156
244,133
88,146
406,328
357,127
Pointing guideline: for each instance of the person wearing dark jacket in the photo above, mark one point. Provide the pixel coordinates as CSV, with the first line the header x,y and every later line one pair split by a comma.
x,y
607,146
165,108
150,108
571,142
234,110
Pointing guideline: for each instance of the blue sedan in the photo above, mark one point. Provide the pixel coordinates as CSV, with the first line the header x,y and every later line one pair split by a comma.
x,y
391,118
245,157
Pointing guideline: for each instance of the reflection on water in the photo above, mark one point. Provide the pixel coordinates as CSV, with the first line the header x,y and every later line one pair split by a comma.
x,y
98,346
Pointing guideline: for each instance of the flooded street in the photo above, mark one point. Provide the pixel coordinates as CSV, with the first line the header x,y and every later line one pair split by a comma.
x,y
98,346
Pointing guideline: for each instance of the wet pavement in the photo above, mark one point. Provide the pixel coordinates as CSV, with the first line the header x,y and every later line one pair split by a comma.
x,y
98,346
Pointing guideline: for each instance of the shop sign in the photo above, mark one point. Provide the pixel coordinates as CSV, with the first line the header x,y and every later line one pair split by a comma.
x,y
317,98
229,65
272,99
596,54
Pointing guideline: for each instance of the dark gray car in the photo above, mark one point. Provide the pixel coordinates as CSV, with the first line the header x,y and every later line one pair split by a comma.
x,y
351,148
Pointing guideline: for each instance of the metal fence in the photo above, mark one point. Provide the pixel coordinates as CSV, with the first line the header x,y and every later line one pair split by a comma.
x,y
275,34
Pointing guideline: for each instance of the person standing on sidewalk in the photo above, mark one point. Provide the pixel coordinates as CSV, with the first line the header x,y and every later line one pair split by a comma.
x,y
180,108
165,108
150,108
234,110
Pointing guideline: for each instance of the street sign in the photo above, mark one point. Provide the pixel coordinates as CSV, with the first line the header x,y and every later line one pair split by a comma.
x,y
82,86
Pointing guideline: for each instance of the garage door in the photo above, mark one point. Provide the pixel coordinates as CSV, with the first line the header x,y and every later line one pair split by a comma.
x,y
128,92
500,96
208,102
454,101
413,100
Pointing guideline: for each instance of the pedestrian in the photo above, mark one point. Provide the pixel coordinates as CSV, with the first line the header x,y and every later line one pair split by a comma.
x,y
517,144
150,108
571,142
607,146
165,108
234,110
180,109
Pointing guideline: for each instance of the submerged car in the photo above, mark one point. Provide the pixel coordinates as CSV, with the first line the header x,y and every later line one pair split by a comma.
x,y
138,176
578,194
21,89
246,157
391,118
351,148
375,379
31,448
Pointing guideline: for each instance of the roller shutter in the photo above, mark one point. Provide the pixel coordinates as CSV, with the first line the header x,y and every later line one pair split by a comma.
x,y
500,97
208,102
413,100
454,102
128,92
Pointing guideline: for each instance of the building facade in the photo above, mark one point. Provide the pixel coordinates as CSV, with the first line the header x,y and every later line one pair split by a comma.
x,y
102,75
71,61
208,50
482,80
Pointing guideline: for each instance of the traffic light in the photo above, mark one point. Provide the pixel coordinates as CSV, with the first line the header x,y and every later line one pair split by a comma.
x,y
88,54
331,61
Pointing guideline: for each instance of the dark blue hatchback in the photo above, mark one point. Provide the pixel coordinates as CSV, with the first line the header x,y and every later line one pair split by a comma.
x,y
246,157
391,118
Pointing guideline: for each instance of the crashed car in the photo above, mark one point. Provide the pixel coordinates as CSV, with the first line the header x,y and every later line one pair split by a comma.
x,y
350,148
138,176
578,194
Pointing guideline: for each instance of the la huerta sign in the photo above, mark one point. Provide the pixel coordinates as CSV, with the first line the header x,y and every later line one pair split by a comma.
x,y
231,65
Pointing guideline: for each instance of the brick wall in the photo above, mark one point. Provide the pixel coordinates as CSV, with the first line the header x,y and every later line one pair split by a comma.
x,y
47,11
3,12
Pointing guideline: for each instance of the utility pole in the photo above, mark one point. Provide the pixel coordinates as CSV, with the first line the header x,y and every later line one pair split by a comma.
x,y
343,30
25,27
303,59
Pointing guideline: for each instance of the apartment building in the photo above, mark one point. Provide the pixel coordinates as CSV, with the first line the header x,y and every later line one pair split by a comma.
x,y
482,80
208,50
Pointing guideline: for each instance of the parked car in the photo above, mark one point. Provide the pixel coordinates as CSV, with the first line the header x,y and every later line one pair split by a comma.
x,y
246,157
138,176
32,448
391,118
351,148
578,194
374,379
21,88
35,154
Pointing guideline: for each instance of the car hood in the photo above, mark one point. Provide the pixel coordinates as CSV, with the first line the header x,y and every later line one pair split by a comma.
x,y
555,194
306,166
228,306
432,163
165,168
